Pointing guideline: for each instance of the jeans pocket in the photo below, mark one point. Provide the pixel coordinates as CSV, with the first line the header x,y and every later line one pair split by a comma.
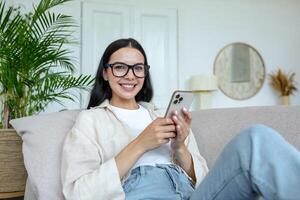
x,y
131,183
186,180
184,177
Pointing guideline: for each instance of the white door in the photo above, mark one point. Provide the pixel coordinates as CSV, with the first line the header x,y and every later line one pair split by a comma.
x,y
155,29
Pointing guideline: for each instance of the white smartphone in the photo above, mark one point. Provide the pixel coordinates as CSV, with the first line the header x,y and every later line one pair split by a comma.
x,y
179,99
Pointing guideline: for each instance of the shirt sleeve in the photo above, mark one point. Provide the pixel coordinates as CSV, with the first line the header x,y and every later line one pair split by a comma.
x,y
199,162
85,176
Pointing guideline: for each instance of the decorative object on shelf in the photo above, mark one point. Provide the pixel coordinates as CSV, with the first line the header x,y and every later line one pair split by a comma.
x,y
203,86
240,71
284,84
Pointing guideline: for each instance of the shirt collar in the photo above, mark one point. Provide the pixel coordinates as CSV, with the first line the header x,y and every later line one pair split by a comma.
x,y
147,105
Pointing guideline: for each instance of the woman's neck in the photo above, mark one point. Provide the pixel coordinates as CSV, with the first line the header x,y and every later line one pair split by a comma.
x,y
129,104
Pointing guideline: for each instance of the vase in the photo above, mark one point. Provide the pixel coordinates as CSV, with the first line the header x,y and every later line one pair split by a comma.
x,y
285,100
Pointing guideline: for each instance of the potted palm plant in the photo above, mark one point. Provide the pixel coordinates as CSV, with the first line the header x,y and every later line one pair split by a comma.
x,y
35,69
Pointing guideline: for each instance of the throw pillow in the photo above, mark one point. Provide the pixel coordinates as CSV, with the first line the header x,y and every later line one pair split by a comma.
x,y
43,137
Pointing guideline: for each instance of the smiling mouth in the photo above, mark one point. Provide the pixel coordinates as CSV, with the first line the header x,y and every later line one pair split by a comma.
x,y
128,86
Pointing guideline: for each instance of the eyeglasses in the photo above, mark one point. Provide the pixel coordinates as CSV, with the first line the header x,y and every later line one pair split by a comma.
x,y
121,69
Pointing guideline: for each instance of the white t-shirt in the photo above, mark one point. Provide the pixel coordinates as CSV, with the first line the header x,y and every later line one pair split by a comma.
x,y
138,120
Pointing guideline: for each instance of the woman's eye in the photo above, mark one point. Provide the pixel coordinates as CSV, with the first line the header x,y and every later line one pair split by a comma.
x,y
120,67
139,68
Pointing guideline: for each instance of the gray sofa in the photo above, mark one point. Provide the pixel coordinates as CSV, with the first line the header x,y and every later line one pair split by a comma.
x,y
214,128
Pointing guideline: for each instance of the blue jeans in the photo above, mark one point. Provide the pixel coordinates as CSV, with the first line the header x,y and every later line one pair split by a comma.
x,y
160,182
258,162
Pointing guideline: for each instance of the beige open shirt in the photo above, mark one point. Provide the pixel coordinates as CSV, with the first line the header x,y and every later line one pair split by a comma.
x,y
89,170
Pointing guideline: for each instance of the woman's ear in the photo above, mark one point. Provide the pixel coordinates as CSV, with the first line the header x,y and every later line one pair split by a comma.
x,y
104,74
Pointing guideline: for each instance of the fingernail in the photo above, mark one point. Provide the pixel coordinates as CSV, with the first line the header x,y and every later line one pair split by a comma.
x,y
184,109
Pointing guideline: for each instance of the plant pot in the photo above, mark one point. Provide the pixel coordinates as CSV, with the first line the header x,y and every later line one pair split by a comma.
x,y
285,100
12,171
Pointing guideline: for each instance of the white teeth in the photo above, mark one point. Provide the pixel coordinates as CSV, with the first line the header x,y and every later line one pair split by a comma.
x,y
127,86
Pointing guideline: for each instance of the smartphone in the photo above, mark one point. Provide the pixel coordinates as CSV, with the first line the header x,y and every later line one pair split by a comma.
x,y
179,99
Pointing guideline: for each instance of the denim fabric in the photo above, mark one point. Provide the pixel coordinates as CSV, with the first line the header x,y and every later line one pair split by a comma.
x,y
258,162
160,182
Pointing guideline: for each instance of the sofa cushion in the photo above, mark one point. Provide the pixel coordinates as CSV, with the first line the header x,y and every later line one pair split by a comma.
x,y
214,128
43,136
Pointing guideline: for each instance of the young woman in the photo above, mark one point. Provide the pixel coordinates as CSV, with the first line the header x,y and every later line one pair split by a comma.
x,y
120,148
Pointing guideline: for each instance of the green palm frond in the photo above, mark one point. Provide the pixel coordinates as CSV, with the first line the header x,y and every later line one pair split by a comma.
x,y
56,86
46,5
57,27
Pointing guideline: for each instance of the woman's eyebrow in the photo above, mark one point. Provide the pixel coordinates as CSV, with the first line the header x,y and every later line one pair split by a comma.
x,y
127,64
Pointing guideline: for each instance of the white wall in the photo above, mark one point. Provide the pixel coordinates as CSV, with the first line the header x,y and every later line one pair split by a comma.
x,y
271,26
272,30
205,26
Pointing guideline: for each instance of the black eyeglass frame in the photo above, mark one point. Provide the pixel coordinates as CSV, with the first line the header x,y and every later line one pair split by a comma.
x,y
146,68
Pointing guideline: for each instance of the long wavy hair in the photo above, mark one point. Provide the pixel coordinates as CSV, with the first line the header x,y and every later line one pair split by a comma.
x,y
101,89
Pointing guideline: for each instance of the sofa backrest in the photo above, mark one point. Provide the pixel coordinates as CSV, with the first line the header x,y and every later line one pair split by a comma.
x,y
214,128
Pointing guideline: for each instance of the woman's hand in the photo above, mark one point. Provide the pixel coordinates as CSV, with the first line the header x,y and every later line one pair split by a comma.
x,y
181,154
156,134
182,123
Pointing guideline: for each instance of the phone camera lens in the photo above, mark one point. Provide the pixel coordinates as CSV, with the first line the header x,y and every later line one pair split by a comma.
x,y
175,101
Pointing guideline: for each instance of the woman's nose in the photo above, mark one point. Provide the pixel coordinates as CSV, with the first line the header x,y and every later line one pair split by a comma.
x,y
130,74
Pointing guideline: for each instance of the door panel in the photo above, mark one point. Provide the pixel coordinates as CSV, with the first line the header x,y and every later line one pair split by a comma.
x,y
101,24
156,28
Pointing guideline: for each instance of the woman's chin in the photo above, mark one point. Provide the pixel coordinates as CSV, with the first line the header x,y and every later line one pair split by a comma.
x,y
129,96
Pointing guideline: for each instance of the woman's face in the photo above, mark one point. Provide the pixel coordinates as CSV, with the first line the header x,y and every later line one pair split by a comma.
x,y
124,89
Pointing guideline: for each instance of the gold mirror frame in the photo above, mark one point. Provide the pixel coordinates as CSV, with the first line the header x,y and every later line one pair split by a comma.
x,y
240,71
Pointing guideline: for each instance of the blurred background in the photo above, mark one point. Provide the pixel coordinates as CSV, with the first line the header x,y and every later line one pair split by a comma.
x,y
183,38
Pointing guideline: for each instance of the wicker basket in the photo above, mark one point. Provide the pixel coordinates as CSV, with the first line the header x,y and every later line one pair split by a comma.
x,y
12,171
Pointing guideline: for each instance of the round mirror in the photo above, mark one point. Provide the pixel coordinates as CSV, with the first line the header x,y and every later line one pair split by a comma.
x,y
240,71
